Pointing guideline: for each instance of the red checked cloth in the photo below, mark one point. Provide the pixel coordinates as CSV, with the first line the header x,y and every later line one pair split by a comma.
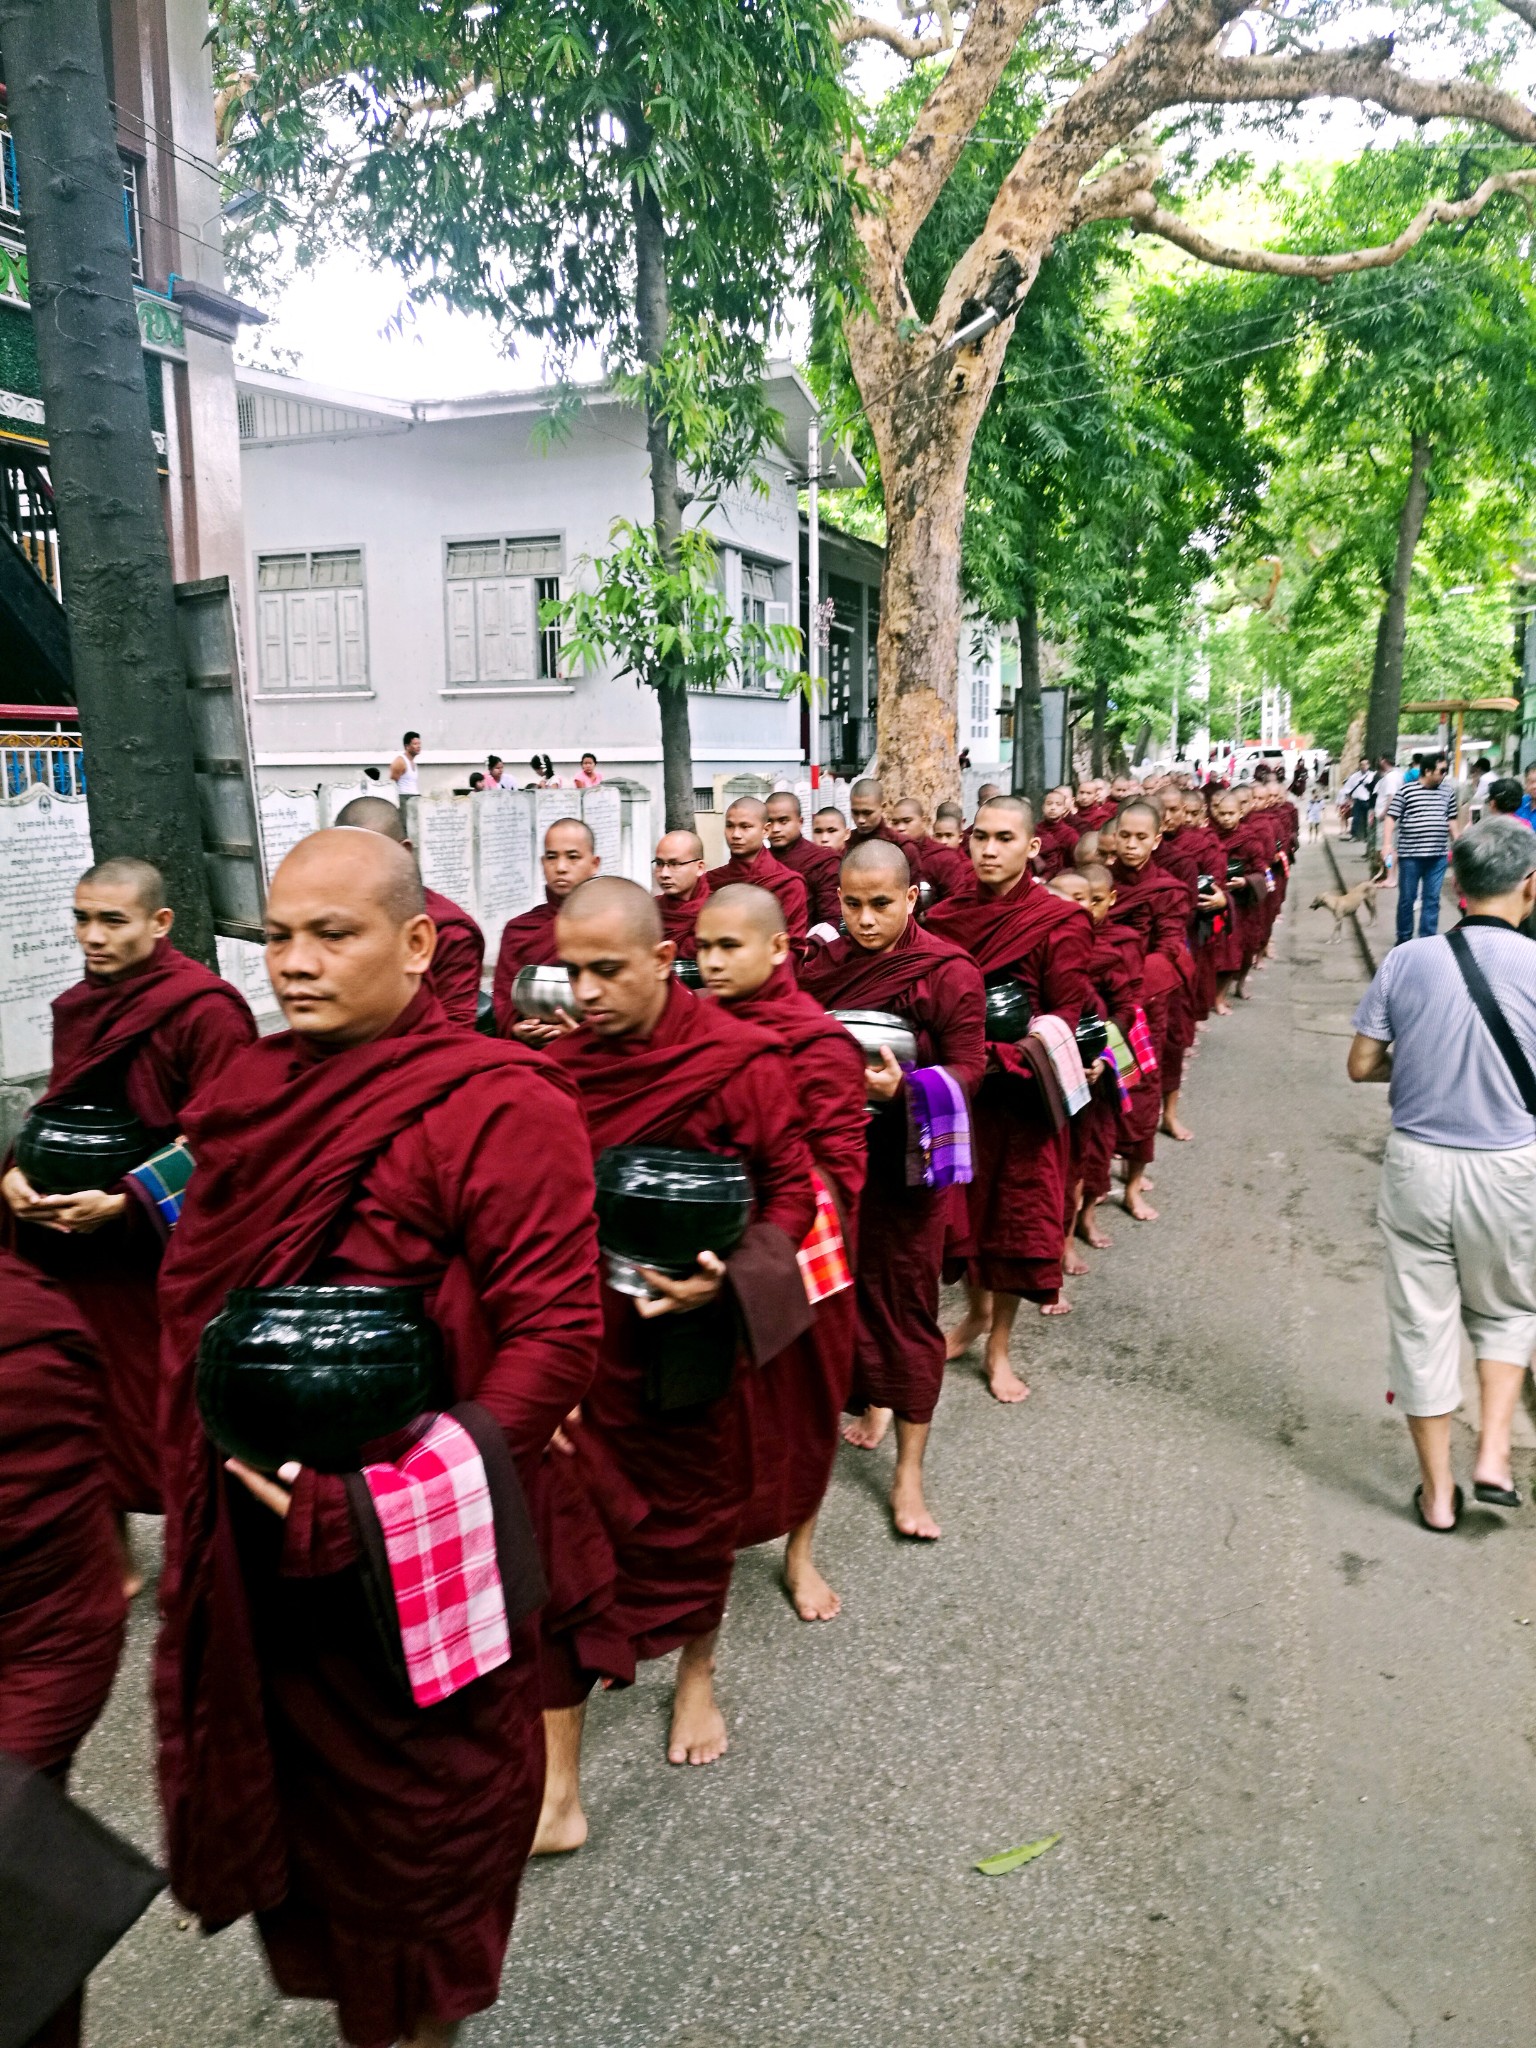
x,y
1139,1038
434,1509
823,1256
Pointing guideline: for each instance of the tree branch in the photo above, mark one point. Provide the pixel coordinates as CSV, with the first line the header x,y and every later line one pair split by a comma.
x,y
1144,211
1362,72
1524,9
860,28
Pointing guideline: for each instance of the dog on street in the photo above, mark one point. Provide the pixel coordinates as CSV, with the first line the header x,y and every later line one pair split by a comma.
x,y
1349,904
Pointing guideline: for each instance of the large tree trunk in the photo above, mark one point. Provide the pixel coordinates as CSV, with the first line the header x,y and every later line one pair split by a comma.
x,y
653,313
130,679
1392,628
1028,713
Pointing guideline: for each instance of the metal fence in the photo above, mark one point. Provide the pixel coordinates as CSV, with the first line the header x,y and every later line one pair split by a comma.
x,y
41,761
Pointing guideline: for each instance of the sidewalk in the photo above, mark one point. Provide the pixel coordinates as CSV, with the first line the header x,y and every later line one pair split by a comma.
x,y
1347,858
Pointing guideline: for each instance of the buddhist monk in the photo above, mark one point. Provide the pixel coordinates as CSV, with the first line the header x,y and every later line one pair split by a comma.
x,y
1245,845
1058,835
1158,907
1214,910
888,962
655,1065
458,959
61,1579
945,869
379,1842
1095,806
866,808
949,826
1016,930
144,1030
795,1404
570,857
830,828
746,834
1114,970
682,888
816,865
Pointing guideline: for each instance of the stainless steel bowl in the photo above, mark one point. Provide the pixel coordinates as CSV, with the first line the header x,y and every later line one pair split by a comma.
x,y
875,1028
543,992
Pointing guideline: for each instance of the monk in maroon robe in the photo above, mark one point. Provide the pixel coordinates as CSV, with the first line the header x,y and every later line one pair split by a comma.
x,y
829,828
795,1405
1158,907
1016,929
1095,806
746,834
682,889
946,870
570,857
1214,909
1114,973
815,865
378,1843
654,1064
458,959
888,962
144,1030
949,827
1058,834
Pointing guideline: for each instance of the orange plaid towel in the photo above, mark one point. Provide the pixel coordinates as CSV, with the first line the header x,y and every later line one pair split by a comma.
x,y
823,1257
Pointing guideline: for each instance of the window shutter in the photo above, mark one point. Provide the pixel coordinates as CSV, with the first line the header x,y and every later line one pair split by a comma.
x,y
324,634
301,653
491,637
272,653
354,666
775,614
461,633
519,620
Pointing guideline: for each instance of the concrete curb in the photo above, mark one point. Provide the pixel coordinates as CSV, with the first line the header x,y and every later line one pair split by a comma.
x,y
1367,952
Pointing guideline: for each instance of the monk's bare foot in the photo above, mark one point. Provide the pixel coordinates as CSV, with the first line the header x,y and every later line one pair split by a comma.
x,y
909,1510
1058,1307
1172,1128
1073,1264
697,1734
133,1578
562,1828
1089,1231
867,1430
1137,1205
1221,1009
1003,1383
812,1598
968,1331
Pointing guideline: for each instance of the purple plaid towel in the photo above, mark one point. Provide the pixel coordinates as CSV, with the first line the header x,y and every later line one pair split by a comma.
x,y
938,1130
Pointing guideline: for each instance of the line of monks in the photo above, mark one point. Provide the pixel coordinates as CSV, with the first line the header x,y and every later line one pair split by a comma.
x,y
381,1140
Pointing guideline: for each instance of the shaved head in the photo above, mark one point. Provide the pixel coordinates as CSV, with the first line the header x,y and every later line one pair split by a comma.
x,y
868,788
1016,804
751,807
831,813
373,814
1146,805
785,800
742,903
355,861
876,857
576,825
908,811
630,908
680,845
125,871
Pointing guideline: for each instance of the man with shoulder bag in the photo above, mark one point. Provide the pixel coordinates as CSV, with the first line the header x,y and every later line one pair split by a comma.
x,y
1451,1024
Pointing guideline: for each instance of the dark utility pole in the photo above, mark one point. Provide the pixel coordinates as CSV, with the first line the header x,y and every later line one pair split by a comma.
x,y
130,679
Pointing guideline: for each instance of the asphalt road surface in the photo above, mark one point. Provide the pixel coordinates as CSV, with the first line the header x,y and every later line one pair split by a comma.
x,y
1181,1615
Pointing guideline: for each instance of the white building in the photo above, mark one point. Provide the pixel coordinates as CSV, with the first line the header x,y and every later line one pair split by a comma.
x,y
398,553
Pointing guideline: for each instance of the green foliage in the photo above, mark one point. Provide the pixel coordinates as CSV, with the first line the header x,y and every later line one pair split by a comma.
x,y
664,624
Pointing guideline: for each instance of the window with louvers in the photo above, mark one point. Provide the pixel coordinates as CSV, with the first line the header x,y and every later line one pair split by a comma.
x,y
311,616
492,591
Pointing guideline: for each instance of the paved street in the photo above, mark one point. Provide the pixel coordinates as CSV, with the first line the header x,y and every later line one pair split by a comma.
x,y
1181,1614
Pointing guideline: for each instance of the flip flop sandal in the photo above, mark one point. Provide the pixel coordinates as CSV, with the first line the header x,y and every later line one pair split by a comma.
x,y
1434,1528
1495,1496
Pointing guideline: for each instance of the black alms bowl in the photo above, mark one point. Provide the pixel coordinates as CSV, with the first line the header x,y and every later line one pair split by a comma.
x,y
688,972
1092,1037
64,1148
315,1373
1008,1011
661,1207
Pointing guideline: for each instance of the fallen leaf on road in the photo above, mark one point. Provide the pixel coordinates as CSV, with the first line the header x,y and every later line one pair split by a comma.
x,y
1015,1859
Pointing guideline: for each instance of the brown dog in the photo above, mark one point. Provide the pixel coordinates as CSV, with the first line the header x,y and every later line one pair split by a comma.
x,y
1350,904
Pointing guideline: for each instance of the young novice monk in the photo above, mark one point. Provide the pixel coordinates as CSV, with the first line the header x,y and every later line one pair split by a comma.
x,y
1114,970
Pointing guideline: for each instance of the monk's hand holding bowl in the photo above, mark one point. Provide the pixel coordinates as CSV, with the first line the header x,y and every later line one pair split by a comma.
x,y
882,1082
87,1211
271,1494
540,1030
676,1297
51,1212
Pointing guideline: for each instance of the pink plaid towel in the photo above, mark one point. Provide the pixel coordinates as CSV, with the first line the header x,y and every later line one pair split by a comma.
x,y
1140,1040
823,1257
434,1508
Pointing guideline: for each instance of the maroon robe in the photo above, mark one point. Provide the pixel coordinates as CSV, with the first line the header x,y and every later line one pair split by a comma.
x,y
761,870
1178,854
454,976
818,867
795,1404
1018,1196
380,1844
61,1571
1115,969
680,917
1093,817
526,941
1058,845
946,870
148,1040
899,1358
701,1081
1157,907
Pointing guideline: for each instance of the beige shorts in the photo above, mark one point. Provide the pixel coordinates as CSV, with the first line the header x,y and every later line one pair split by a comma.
x,y
1460,1235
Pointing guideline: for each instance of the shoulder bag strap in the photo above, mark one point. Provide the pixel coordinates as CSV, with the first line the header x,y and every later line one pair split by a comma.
x,y
1498,1024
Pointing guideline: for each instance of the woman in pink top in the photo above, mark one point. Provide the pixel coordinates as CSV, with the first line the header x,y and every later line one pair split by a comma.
x,y
587,776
